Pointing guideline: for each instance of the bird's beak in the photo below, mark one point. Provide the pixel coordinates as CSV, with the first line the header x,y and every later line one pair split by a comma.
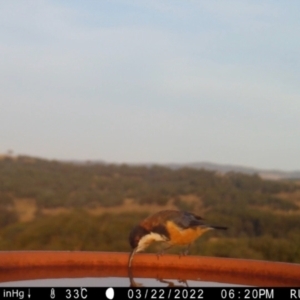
x,y
131,257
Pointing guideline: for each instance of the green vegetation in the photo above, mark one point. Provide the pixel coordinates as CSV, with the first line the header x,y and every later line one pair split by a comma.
x,y
263,216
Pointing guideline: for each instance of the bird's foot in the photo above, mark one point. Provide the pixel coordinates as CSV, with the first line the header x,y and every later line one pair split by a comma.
x,y
160,253
185,252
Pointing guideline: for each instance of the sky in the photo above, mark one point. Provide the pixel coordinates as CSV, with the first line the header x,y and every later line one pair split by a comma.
x,y
132,81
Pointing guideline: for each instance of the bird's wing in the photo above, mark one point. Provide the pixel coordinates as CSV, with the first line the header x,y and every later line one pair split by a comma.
x,y
184,220
187,220
156,223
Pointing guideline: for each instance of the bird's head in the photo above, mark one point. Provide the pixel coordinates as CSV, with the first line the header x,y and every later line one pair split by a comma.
x,y
135,237
140,238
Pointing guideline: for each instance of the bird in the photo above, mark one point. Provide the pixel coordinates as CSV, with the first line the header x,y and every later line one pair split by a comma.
x,y
173,227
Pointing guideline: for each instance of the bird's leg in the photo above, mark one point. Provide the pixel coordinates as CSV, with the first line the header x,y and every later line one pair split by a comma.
x,y
185,251
161,252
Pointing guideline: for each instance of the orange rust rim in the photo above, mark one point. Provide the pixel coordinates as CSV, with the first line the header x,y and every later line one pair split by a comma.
x,y
25,265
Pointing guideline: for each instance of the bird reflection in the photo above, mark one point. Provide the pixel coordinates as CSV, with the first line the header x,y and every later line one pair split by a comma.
x,y
133,283
172,284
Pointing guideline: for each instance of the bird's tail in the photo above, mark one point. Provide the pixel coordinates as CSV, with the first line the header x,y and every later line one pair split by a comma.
x,y
218,227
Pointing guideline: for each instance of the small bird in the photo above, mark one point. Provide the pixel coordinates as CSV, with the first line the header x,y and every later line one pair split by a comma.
x,y
172,227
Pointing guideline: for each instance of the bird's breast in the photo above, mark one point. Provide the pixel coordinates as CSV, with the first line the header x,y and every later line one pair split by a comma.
x,y
179,236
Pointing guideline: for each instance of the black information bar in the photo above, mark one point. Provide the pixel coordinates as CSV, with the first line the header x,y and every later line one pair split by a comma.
x,y
120,293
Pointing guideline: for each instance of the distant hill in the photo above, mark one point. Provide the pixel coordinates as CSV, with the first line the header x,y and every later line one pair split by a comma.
x,y
220,168
265,174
